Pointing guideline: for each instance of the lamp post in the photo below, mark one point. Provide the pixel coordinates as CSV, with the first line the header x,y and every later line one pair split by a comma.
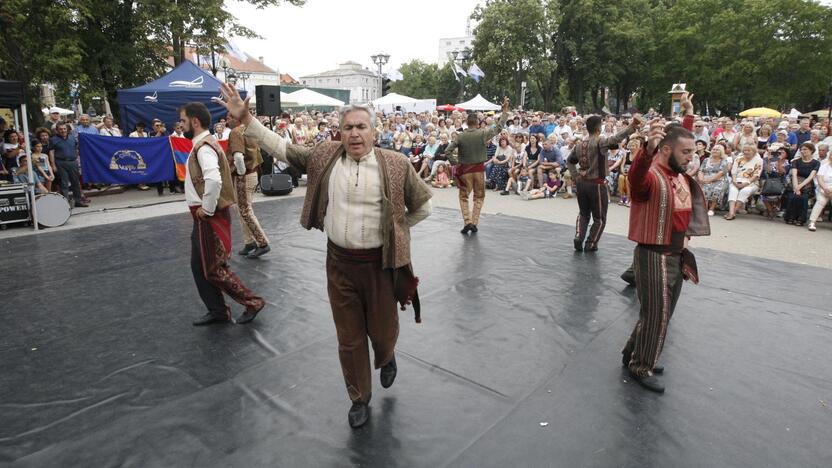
x,y
243,76
460,59
230,76
380,59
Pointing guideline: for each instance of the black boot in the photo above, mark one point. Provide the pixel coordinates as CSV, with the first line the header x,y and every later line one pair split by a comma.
x,y
474,228
359,414
649,382
210,319
248,249
579,244
466,229
388,373
259,251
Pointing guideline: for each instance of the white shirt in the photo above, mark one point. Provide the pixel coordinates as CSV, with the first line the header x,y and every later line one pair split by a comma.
x,y
226,132
353,215
209,162
113,131
825,174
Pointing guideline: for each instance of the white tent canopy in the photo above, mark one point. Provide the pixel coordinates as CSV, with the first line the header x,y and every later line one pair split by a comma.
x,y
794,113
478,103
307,97
60,110
393,98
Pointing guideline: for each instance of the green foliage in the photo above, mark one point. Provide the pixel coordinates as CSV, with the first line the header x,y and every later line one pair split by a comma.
x,y
106,45
422,80
733,54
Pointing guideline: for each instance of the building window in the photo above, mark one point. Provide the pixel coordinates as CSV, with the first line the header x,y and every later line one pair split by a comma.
x,y
447,43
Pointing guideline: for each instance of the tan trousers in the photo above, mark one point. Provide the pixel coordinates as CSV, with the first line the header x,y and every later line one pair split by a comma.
x,y
363,305
820,203
474,182
252,232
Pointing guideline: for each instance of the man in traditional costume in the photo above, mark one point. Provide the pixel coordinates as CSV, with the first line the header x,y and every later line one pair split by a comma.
x,y
591,178
469,165
366,200
245,163
209,193
668,207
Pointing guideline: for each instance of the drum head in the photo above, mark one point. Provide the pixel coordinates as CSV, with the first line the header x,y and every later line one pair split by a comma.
x,y
53,209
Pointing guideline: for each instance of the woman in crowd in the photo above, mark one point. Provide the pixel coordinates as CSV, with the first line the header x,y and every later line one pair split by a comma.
x,y
746,137
323,133
803,171
12,148
776,168
702,152
745,172
823,193
615,159
386,136
763,139
713,176
298,133
533,150
502,160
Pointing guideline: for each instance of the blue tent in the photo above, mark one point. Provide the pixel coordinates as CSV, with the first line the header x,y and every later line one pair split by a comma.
x,y
161,98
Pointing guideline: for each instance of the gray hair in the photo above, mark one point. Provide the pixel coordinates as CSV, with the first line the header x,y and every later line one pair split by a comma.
x,y
823,145
358,107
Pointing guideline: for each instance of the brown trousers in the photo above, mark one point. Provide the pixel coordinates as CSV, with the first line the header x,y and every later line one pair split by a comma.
x,y
252,232
473,182
658,284
363,305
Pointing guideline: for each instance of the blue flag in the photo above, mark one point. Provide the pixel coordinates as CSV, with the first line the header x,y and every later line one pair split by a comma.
x,y
121,160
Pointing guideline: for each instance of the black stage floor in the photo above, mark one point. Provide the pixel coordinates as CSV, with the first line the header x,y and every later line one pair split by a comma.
x,y
101,366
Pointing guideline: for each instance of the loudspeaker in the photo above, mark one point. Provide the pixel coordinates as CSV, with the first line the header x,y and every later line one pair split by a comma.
x,y
276,184
268,99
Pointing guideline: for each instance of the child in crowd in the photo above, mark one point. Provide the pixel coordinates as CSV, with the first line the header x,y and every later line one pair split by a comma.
x,y
441,180
523,182
42,166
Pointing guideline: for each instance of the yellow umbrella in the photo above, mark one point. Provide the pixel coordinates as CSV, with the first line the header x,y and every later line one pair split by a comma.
x,y
760,112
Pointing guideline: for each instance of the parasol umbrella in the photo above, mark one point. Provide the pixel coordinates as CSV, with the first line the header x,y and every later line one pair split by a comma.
x,y
761,112
449,108
817,113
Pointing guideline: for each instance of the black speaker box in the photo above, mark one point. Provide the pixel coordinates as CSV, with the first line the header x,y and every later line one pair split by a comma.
x,y
276,184
268,99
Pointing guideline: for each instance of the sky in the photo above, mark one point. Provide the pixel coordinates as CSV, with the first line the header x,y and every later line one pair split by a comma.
x,y
323,33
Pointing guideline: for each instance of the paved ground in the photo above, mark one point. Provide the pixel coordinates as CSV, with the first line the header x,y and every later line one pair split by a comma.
x,y
748,235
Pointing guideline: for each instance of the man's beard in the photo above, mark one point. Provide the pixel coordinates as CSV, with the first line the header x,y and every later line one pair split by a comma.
x,y
675,166
189,134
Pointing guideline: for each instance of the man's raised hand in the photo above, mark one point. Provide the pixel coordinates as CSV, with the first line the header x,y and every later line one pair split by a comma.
x,y
686,103
232,102
655,136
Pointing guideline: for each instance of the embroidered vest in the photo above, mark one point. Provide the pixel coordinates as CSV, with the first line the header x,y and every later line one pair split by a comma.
x,y
651,221
393,168
227,196
237,142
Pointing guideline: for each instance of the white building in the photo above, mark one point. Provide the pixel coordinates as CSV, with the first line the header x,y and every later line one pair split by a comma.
x,y
364,85
453,44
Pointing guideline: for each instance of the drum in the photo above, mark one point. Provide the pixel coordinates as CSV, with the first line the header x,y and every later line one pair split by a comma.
x,y
52,208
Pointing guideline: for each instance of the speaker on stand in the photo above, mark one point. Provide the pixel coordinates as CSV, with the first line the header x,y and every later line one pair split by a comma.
x,y
268,100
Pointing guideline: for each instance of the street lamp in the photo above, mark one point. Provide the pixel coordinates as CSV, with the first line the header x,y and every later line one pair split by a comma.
x,y
380,59
460,58
230,76
243,76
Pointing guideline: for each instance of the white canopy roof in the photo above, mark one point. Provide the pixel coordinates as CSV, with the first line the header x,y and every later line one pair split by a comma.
x,y
60,110
307,97
393,98
478,103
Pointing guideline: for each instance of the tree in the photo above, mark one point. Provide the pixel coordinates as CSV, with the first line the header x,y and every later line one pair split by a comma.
x,y
419,80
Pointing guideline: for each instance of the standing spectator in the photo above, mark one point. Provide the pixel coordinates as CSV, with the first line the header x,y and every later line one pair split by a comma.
x,y
65,154
54,118
700,132
41,165
745,173
803,171
84,126
804,132
713,177
108,129
823,194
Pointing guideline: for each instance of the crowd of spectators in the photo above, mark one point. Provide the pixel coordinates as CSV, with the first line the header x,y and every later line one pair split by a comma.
x,y
778,168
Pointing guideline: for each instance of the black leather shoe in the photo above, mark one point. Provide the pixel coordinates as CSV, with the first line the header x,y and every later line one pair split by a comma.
x,y
210,319
248,249
629,277
474,228
388,373
81,205
590,247
658,370
579,245
466,229
359,414
650,382
249,315
259,251
625,362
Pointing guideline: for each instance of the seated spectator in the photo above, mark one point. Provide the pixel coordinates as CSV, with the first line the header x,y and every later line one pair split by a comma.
x,y
22,174
523,183
633,147
12,148
4,173
442,180
745,173
823,191
550,161
533,150
323,133
775,167
501,162
108,129
42,166
139,132
803,171
702,151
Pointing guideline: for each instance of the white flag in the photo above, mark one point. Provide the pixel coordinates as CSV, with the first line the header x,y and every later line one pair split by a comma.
x,y
475,73
460,73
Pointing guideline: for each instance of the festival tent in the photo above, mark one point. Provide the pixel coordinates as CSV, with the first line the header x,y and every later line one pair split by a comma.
x,y
817,113
60,110
307,97
761,112
12,97
161,98
394,102
478,103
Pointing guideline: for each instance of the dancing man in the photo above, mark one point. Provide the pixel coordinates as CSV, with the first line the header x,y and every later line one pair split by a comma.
x,y
366,200
469,170
591,178
209,193
668,207
246,160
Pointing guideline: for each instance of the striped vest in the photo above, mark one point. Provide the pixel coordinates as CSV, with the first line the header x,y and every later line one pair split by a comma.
x,y
651,221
